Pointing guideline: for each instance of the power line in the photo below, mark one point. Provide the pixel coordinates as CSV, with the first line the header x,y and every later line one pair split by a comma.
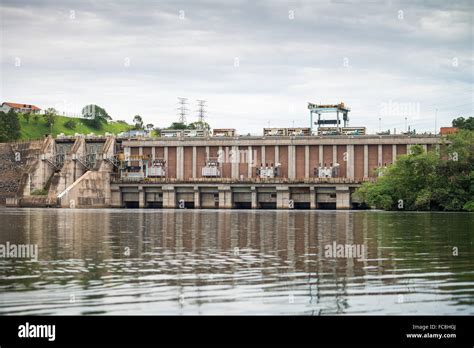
x,y
450,107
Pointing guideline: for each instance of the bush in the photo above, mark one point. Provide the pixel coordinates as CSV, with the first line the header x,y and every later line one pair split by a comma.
x,y
39,192
469,206
93,123
71,124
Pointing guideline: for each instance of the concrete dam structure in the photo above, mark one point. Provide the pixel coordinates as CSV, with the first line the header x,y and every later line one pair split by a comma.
x,y
246,172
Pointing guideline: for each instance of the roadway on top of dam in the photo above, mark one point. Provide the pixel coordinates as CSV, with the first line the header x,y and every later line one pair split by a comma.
x,y
115,179
284,140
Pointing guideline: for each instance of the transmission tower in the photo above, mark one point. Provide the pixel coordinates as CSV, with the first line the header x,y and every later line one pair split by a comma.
x,y
201,111
182,109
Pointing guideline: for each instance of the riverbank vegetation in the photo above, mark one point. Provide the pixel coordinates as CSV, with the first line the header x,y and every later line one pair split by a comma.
x,y
440,180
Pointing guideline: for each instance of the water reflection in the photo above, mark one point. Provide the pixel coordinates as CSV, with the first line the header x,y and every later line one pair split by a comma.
x,y
236,262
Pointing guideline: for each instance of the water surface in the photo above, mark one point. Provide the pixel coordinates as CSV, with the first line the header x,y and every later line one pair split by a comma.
x,y
236,262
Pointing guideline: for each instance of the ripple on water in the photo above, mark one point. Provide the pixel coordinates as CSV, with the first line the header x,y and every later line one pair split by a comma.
x,y
209,262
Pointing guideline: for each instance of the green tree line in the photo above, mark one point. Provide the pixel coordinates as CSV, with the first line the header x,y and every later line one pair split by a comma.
x,y
441,179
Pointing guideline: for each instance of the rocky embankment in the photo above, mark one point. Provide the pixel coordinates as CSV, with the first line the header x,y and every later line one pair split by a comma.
x,y
15,159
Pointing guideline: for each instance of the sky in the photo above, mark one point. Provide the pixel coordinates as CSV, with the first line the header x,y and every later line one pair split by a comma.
x,y
256,63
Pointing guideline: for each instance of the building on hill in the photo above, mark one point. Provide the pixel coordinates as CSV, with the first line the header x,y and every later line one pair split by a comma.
x,y
25,108
448,130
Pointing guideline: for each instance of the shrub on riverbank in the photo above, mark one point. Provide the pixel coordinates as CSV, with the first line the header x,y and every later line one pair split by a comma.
x,y
436,180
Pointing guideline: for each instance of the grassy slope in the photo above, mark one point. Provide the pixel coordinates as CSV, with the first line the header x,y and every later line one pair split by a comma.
x,y
32,130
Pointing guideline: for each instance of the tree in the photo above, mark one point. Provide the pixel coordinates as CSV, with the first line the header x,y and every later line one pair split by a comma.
x,y
15,128
177,125
26,116
9,126
3,127
36,117
149,126
427,180
463,123
137,119
50,118
156,132
199,125
95,115
193,125
52,111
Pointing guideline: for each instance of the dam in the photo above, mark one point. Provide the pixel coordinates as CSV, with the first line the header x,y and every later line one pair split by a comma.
x,y
278,170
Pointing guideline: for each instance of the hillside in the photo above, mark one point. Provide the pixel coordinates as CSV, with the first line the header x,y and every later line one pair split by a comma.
x,y
37,130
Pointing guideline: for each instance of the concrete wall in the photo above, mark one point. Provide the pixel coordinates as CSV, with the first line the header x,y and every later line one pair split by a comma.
x,y
39,170
71,170
91,190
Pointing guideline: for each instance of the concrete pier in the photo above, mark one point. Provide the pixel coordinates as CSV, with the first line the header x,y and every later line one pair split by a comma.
x,y
233,196
343,197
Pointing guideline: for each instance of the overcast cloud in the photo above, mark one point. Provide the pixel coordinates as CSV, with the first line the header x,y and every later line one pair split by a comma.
x,y
137,57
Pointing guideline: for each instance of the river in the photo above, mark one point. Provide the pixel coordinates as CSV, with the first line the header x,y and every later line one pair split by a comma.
x,y
167,262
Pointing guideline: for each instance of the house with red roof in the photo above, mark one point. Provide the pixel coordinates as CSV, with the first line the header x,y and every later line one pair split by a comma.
x,y
23,108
